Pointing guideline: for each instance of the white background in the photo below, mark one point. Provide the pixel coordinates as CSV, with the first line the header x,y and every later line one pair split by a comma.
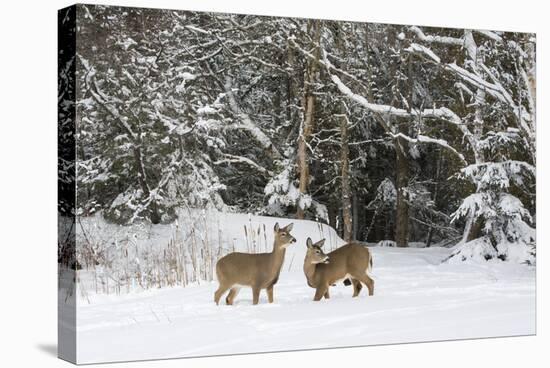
x,y
28,289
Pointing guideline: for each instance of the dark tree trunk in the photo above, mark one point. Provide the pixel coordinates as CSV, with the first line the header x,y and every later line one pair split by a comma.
x,y
429,237
475,229
355,217
346,187
389,229
142,179
402,206
309,109
435,196
332,214
289,84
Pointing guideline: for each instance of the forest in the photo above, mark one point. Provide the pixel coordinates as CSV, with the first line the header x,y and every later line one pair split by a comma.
x,y
392,133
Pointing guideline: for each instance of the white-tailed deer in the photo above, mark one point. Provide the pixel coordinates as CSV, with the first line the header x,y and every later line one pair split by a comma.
x,y
351,261
259,271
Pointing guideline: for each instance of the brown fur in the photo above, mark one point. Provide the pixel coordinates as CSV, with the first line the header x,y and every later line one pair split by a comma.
x,y
351,261
259,271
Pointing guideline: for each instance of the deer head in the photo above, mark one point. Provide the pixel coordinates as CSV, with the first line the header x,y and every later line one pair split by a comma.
x,y
314,253
282,236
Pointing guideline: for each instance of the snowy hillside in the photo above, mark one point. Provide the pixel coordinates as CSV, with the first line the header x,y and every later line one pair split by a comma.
x,y
138,257
416,299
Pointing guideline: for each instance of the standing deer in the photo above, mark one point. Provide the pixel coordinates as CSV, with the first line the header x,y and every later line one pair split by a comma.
x,y
259,271
351,261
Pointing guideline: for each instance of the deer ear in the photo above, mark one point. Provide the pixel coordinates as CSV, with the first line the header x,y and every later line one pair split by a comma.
x,y
276,228
289,226
309,243
320,243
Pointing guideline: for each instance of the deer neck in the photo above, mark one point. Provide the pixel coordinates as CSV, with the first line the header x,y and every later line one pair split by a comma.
x,y
277,258
309,271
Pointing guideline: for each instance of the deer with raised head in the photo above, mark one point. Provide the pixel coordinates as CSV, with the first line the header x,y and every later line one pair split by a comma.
x,y
258,271
349,262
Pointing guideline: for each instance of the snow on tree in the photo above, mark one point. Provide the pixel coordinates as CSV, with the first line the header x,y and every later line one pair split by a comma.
x,y
506,229
311,119
501,126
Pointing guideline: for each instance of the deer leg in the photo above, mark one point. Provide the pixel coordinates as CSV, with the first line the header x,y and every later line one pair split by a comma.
x,y
365,279
232,295
218,294
270,294
320,292
255,295
356,287
327,295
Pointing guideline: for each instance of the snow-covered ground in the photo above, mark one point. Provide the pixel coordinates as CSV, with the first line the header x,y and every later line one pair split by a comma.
x,y
416,299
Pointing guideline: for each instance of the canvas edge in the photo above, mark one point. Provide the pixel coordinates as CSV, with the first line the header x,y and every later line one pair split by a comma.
x,y
66,184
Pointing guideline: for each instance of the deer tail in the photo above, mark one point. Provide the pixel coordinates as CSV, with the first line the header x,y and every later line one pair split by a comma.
x,y
369,267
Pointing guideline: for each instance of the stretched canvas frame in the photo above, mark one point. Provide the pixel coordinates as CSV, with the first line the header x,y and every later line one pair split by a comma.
x,y
140,235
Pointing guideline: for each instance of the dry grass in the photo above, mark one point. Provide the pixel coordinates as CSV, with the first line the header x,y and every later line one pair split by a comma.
x,y
131,259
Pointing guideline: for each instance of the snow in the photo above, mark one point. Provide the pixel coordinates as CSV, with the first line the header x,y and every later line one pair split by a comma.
x,y
246,122
321,211
498,174
490,34
495,90
508,234
425,139
511,206
206,110
282,191
463,87
240,159
187,76
517,253
196,29
435,113
477,250
436,39
416,48
417,298
387,243
470,45
386,194
127,43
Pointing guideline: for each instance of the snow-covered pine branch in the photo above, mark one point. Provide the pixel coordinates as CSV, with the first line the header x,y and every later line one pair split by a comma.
x,y
423,50
494,87
499,174
441,113
245,123
436,39
232,159
425,139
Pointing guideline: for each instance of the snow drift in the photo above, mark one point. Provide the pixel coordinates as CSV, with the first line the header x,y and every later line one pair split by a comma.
x,y
417,298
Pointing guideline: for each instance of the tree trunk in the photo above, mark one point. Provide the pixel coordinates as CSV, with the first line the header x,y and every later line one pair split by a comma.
x,y
332,214
474,231
429,238
346,187
474,224
142,179
355,217
307,126
402,207
289,84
